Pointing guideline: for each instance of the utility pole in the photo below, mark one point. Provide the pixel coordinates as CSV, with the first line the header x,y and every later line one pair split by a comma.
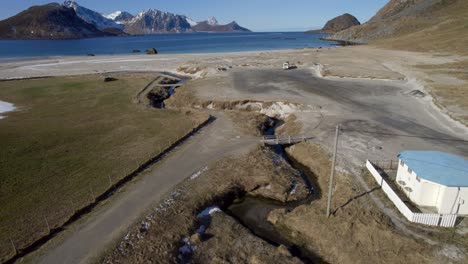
x,y
332,174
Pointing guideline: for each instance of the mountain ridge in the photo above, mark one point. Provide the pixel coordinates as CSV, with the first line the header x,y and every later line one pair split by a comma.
x,y
90,23
50,21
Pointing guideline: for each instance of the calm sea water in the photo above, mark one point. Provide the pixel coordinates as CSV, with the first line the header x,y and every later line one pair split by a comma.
x,y
164,43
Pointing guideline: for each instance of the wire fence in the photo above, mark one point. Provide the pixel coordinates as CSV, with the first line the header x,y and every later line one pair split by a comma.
x,y
67,202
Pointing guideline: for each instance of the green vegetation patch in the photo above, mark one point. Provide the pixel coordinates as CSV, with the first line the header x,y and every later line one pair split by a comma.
x,y
70,138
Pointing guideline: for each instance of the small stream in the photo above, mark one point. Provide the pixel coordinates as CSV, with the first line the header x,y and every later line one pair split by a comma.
x,y
252,212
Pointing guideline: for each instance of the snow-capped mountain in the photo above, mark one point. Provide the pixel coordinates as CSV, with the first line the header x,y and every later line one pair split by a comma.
x,y
153,21
120,17
92,17
191,21
213,21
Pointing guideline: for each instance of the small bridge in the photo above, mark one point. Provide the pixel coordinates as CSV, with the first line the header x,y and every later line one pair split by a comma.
x,y
283,140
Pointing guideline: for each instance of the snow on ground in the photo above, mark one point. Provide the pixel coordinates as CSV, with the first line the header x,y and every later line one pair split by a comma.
x,y
191,22
208,212
6,107
198,173
113,15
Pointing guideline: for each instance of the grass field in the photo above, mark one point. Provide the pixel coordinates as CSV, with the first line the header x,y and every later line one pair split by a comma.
x,y
69,139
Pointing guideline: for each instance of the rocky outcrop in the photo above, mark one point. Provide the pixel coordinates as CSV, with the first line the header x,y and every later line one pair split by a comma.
x,y
400,17
339,23
51,21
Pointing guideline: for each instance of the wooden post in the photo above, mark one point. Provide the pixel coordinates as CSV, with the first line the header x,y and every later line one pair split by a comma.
x,y
13,245
47,224
92,194
332,173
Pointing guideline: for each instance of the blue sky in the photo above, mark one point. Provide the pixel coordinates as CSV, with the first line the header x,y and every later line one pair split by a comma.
x,y
257,15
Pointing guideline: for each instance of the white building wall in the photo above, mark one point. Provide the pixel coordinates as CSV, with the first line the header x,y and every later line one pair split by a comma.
x,y
423,193
453,200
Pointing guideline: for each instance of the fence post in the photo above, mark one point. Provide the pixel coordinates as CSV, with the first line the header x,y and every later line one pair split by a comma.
x,y
332,173
14,247
47,224
92,193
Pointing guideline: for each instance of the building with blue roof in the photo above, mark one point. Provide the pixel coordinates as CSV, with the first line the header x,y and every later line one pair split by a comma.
x,y
436,179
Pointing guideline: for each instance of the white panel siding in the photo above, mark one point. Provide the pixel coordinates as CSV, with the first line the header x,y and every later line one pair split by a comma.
x,y
447,220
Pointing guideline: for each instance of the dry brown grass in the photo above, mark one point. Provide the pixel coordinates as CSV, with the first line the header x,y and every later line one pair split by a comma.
x,y
70,138
290,127
357,233
247,173
451,96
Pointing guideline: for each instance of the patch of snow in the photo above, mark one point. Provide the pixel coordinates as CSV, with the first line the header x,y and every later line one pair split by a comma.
x,y
6,107
212,21
198,173
280,109
92,17
293,188
208,212
113,15
191,22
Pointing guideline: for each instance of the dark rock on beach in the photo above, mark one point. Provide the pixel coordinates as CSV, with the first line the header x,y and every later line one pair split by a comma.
x,y
152,51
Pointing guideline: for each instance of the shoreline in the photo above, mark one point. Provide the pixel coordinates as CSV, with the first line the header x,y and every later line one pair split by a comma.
x,y
142,54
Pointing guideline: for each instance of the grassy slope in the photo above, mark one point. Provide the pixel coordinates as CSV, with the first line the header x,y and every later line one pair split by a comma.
x,y
444,30
69,136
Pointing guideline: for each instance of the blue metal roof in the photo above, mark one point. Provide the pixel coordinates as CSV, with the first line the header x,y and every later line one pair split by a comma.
x,y
439,167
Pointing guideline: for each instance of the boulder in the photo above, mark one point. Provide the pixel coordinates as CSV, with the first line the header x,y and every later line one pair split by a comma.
x,y
152,51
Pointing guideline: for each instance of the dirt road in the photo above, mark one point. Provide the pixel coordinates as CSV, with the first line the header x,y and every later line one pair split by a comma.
x,y
109,222
378,118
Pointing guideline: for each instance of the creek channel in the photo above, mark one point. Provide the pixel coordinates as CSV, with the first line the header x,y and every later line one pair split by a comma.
x,y
252,212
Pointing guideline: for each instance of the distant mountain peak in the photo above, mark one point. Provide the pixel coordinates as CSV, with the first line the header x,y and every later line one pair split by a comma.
x,y
213,21
120,17
50,21
113,15
92,17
